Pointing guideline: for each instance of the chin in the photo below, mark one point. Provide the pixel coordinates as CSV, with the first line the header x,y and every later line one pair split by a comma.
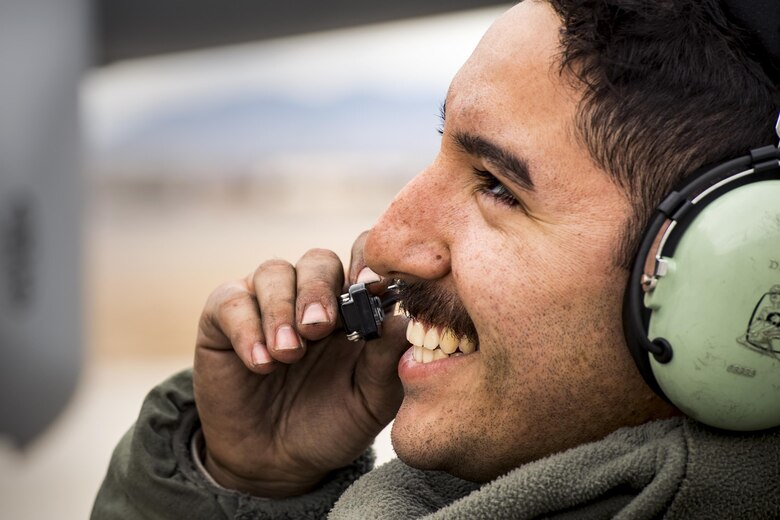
x,y
418,442
420,456
424,446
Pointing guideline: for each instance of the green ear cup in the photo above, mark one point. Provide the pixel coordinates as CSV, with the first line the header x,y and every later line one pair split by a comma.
x,y
719,308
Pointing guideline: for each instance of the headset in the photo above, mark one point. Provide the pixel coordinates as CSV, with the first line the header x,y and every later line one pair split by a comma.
x,y
701,313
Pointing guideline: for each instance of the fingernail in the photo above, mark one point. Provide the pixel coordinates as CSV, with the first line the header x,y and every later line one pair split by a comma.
x,y
366,275
287,339
314,313
260,355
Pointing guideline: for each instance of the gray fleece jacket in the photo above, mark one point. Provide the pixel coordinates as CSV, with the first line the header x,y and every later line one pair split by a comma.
x,y
673,469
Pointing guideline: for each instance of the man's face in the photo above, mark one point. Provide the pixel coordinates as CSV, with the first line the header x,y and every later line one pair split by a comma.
x,y
528,250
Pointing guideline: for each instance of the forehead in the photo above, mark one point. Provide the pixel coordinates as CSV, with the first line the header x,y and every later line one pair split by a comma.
x,y
513,74
512,91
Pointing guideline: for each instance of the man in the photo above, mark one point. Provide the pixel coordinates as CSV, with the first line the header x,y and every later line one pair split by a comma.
x,y
563,130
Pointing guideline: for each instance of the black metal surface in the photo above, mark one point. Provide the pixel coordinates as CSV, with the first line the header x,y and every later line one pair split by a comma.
x,y
129,29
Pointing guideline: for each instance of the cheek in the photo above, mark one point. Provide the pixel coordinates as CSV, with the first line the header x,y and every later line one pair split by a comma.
x,y
541,284
543,359
533,310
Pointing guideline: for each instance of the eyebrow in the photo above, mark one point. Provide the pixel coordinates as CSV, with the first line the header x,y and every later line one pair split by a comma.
x,y
510,165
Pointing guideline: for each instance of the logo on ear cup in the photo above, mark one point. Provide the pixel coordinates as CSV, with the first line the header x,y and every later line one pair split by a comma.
x,y
763,330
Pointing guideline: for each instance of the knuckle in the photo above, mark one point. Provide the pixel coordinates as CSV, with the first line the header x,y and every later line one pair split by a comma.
x,y
234,303
274,265
228,294
225,291
279,311
237,298
315,288
326,254
320,255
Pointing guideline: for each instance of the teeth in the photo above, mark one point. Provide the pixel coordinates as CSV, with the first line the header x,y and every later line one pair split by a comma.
x,y
448,342
438,354
466,345
415,333
434,343
431,338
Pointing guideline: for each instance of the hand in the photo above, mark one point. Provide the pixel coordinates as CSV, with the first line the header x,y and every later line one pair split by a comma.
x,y
282,403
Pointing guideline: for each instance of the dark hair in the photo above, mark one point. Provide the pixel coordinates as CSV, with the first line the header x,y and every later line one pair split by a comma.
x,y
670,86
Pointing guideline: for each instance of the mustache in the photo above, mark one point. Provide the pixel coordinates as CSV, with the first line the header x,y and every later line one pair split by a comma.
x,y
429,303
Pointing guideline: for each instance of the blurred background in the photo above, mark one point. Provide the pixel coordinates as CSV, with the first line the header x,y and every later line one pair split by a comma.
x,y
149,153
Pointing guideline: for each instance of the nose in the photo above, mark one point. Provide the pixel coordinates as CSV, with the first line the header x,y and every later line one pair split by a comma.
x,y
410,239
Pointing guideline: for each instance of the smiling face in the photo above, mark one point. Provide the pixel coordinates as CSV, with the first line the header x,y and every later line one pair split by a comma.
x,y
516,226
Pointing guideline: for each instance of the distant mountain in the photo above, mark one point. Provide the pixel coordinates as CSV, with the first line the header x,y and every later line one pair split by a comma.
x,y
251,127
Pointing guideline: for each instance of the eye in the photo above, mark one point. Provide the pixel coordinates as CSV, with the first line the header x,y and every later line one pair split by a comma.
x,y
488,185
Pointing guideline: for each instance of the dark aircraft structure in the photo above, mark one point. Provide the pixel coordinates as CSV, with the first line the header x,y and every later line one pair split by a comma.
x,y
46,46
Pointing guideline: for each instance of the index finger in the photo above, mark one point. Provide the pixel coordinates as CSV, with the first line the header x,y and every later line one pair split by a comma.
x,y
320,277
359,272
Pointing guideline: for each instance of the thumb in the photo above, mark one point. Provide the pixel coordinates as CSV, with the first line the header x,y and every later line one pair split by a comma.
x,y
376,372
